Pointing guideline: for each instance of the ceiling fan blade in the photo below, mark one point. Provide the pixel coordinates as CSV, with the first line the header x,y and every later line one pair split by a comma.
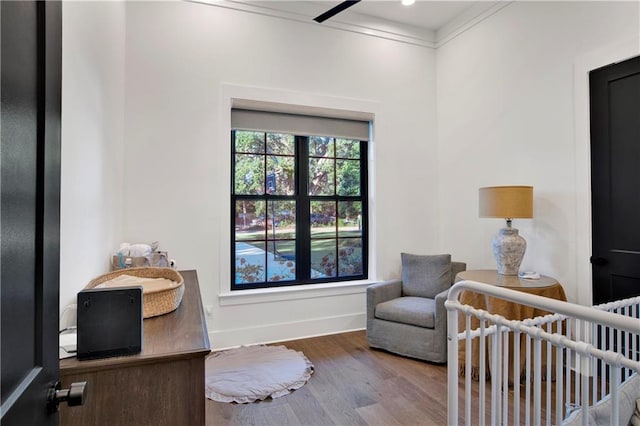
x,y
335,10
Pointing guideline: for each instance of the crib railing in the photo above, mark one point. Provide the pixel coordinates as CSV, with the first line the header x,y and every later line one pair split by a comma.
x,y
539,369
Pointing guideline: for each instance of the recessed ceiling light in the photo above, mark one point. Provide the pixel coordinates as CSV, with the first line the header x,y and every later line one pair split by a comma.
x,y
408,2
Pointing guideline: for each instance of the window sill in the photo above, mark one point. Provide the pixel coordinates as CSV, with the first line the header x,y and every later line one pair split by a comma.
x,y
267,295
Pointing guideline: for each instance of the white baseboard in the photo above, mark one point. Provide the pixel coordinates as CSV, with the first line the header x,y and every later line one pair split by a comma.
x,y
270,333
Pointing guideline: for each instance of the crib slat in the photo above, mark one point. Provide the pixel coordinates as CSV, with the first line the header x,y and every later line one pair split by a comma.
x,y
615,394
594,364
603,366
483,375
549,365
568,370
505,375
627,371
452,362
537,379
620,338
527,398
467,372
634,355
578,364
559,364
495,378
516,378
584,377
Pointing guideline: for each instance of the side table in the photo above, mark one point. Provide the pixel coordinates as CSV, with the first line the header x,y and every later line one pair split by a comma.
x,y
491,276
545,286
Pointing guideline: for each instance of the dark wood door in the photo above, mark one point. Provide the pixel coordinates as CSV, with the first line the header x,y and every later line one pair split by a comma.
x,y
615,180
30,208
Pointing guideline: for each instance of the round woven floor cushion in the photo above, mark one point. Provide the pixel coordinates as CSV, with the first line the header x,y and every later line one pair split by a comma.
x,y
251,373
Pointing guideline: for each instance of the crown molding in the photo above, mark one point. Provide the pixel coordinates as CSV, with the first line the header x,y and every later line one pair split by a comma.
x,y
371,26
468,19
355,23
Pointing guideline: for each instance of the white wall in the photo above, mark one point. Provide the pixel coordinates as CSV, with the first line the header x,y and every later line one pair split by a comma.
x,y
93,43
177,162
506,115
154,164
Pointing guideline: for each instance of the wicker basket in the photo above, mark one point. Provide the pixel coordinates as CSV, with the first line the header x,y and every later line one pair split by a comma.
x,y
155,302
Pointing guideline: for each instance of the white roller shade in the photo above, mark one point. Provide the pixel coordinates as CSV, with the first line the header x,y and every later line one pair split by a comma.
x,y
303,125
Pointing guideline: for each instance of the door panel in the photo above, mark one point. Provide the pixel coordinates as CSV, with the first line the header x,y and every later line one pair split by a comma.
x,y
30,206
615,180
622,287
19,153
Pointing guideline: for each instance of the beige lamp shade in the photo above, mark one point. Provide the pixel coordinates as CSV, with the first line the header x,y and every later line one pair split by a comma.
x,y
506,202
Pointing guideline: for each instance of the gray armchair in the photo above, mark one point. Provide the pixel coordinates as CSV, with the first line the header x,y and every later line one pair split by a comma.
x,y
407,316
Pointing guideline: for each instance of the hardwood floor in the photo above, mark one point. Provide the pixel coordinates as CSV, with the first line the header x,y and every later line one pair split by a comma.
x,y
356,385
352,385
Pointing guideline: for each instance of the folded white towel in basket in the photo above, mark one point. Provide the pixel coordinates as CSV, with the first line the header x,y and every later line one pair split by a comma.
x,y
148,284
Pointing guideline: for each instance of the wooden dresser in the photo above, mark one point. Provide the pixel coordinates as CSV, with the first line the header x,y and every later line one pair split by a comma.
x,y
163,385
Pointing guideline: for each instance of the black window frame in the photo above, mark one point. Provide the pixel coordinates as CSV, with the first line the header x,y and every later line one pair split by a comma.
x,y
303,200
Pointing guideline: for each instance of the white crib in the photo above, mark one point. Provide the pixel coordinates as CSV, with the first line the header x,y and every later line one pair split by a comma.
x,y
592,376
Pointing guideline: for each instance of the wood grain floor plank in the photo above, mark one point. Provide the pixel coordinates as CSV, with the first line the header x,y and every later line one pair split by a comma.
x,y
307,407
377,414
280,415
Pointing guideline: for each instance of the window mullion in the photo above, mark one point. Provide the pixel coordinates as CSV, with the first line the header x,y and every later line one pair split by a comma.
x,y
303,227
267,212
335,205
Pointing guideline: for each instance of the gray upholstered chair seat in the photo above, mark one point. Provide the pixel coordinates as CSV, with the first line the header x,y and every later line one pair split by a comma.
x,y
417,311
407,316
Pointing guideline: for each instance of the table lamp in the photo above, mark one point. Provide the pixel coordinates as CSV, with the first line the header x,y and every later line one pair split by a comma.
x,y
507,202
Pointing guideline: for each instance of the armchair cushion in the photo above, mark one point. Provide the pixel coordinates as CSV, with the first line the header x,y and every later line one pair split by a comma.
x,y
408,310
425,275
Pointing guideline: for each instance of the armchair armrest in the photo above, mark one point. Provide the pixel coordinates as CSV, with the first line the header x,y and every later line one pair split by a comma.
x,y
457,267
382,292
441,311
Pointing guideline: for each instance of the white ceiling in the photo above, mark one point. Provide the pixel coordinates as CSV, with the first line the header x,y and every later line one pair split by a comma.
x,y
425,14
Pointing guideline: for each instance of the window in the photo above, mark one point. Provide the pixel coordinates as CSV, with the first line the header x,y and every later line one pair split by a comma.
x,y
299,200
